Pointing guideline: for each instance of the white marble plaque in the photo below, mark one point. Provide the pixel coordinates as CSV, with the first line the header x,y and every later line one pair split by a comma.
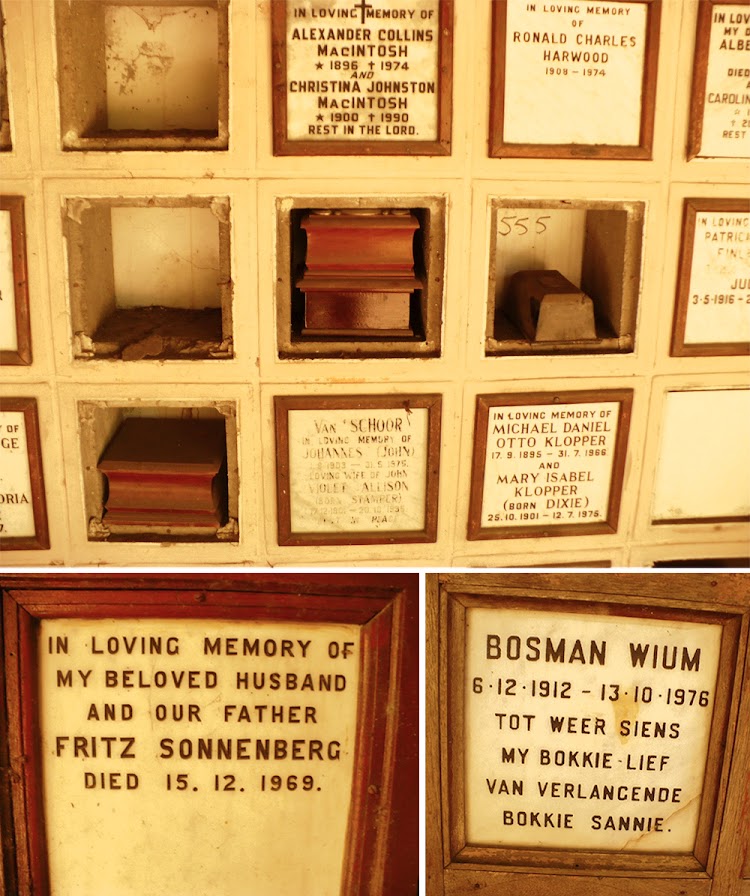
x,y
574,72
718,307
189,756
8,329
548,465
586,732
16,507
703,471
726,110
363,71
358,470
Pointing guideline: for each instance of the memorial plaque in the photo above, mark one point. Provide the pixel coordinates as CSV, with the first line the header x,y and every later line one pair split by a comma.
x,y
362,77
548,464
589,727
15,339
357,469
229,738
712,311
720,108
23,511
574,80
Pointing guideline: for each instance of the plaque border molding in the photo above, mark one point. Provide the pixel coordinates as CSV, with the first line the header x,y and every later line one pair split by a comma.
x,y
285,403
283,146
377,856
678,347
22,354
497,146
608,526
40,539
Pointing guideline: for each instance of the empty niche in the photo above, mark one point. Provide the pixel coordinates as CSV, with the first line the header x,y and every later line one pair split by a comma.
x,y
150,278
143,76
5,140
358,279
564,276
160,473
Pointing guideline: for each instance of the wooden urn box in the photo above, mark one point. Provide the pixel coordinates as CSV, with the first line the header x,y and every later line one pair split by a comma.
x,y
165,473
549,308
359,272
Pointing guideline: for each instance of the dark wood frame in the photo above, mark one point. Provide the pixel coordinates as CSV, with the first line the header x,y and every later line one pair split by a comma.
x,y
22,355
453,868
691,208
282,146
40,539
498,148
607,526
285,403
379,856
700,74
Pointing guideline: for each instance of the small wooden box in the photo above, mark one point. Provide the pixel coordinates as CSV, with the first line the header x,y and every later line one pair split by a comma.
x,y
166,473
549,308
359,272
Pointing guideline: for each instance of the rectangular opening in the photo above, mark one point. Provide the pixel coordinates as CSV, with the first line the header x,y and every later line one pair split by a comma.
x,y
143,76
596,246
363,318
150,278
142,497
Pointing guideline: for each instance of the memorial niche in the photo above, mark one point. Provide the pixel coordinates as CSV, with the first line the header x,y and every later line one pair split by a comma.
x,y
362,78
150,278
5,135
15,335
148,76
390,259
594,245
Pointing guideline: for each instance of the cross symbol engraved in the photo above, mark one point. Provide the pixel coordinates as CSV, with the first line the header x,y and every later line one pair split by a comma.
x,y
363,7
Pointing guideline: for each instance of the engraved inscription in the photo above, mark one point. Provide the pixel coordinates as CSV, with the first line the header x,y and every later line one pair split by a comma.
x,y
16,509
8,330
574,72
548,465
362,71
212,750
358,470
586,732
726,112
719,293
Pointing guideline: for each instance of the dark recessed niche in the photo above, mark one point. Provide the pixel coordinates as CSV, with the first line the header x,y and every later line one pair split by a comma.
x,y
595,245
705,563
384,302
143,76
150,278
110,505
5,138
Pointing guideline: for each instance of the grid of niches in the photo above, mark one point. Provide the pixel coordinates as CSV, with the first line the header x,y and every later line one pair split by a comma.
x,y
207,182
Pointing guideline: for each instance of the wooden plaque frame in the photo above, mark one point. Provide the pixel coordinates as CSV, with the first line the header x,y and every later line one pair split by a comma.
x,y
700,74
22,355
283,146
679,348
600,527
456,867
285,403
498,148
40,539
379,857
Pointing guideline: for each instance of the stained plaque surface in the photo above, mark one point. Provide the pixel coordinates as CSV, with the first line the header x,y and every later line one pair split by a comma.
x,y
210,750
567,76
23,517
713,300
357,468
720,122
354,77
585,731
547,464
